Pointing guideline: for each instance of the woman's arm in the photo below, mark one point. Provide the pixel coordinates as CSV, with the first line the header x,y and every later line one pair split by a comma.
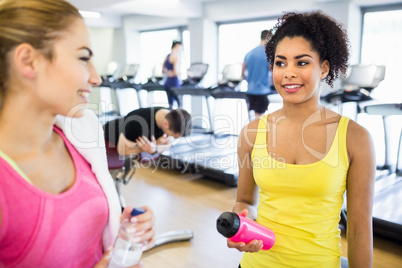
x,y
360,188
246,187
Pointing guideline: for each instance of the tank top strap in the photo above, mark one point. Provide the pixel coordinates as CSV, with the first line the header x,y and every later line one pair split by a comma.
x,y
14,165
342,132
261,136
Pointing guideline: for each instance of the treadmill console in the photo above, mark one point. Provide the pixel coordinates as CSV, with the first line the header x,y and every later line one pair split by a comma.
x,y
367,76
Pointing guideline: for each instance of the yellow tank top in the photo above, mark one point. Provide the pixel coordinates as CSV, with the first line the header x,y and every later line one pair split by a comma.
x,y
301,204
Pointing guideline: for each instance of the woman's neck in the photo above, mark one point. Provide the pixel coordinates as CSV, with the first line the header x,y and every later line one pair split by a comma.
x,y
24,129
301,111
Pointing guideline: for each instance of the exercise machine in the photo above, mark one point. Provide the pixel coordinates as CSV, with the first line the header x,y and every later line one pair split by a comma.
x,y
195,73
389,112
211,153
356,87
122,78
387,209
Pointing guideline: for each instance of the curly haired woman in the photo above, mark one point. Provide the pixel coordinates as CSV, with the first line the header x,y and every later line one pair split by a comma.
x,y
303,157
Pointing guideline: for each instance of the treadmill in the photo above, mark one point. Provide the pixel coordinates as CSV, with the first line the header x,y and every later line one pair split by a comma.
x,y
122,78
155,82
357,86
212,154
387,208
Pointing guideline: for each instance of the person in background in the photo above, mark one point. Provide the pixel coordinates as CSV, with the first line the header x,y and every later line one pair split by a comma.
x,y
303,157
58,203
147,130
256,72
171,68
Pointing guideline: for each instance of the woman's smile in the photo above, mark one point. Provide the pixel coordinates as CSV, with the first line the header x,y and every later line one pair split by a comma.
x,y
292,88
84,94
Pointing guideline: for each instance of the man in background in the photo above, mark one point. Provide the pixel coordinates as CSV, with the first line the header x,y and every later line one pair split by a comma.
x,y
146,130
256,72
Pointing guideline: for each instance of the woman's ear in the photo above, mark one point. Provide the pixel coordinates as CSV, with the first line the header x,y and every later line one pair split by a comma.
x,y
24,58
324,69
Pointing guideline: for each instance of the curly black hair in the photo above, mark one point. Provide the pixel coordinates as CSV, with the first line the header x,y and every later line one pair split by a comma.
x,y
326,36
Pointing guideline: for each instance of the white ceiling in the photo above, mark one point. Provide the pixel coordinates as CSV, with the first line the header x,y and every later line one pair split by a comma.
x,y
166,10
161,8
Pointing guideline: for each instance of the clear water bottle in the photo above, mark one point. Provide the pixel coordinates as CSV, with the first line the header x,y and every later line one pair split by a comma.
x,y
125,253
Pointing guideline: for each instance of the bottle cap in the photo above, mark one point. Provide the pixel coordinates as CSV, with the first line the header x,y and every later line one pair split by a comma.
x,y
228,224
137,211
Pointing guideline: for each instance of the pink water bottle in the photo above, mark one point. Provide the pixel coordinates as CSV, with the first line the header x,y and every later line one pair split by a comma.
x,y
241,229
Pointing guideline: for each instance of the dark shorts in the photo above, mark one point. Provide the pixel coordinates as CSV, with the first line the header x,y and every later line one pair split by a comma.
x,y
258,103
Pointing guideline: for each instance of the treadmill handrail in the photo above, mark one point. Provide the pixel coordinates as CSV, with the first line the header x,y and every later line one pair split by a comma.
x,y
385,109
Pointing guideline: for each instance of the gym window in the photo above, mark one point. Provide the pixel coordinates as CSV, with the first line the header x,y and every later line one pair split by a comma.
x,y
155,45
236,39
382,32
381,45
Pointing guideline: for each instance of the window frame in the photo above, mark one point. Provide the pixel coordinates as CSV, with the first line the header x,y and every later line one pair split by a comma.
x,y
376,8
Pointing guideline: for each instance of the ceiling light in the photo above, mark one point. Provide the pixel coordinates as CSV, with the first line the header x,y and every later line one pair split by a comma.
x,y
90,14
170,2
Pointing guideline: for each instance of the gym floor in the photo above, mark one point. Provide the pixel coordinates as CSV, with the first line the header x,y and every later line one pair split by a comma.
x,y
188,201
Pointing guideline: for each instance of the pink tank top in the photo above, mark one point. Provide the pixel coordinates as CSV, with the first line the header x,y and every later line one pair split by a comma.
x,y
40,229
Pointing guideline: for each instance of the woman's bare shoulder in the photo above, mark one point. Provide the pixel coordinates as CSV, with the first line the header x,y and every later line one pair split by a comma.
x,y
357,131
248,134
358,138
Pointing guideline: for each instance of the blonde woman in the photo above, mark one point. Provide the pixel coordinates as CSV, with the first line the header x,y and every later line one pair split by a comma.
x,y
58,204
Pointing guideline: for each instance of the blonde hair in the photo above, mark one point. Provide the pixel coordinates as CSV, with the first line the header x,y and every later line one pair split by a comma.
x,y
35,22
